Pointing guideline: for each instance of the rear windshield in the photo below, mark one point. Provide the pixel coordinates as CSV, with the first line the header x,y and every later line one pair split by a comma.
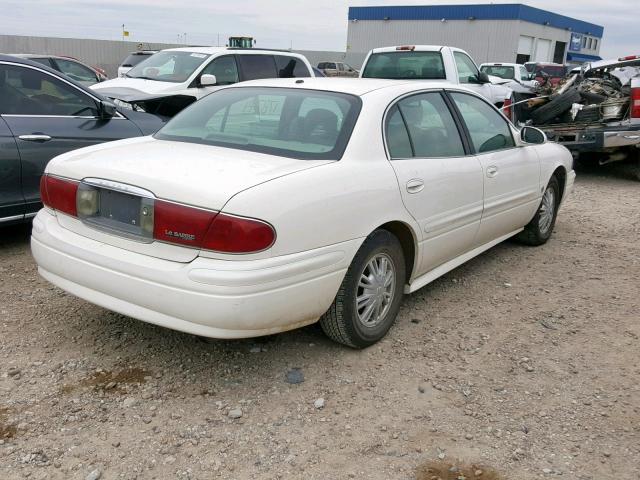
x,y
551,70
294,123
134,59
168,66
405,65
499,71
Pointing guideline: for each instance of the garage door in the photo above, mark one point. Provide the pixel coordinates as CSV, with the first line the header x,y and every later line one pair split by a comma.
x,y
525,45
543,50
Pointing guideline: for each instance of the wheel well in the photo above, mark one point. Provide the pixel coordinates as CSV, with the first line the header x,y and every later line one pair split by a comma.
x,y
561,174
405,235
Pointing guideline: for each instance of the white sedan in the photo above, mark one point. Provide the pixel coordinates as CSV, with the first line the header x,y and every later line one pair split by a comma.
x,y
273,204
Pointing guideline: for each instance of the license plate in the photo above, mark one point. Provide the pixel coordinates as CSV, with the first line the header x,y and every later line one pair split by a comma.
x,y
119,207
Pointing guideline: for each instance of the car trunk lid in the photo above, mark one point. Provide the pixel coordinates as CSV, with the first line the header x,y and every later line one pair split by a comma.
x,y
126,177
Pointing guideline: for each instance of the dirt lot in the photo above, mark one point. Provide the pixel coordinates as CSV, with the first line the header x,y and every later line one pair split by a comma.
x,y
525,360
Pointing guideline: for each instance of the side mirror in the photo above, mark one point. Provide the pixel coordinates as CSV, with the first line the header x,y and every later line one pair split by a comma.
x,y
208,80
107,110
483,78
532,135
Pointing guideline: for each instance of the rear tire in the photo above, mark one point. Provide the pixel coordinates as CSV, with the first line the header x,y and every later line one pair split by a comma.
x,y
539,229
369,297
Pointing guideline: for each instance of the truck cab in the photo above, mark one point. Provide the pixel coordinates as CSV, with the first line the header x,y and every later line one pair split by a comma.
x,y
435,62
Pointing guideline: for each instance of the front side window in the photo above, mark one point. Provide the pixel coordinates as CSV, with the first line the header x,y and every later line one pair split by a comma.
x,y
430,125
501,71
76,72
524,75
257,66
25,91
225,70
405,65
294,123
168,66
467,70
290,67
489,131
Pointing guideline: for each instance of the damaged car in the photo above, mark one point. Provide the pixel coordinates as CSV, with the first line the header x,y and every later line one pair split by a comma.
x,y
170,80
595,112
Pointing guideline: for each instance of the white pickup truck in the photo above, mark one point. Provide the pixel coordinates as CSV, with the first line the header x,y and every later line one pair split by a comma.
x,y
435,62
604,125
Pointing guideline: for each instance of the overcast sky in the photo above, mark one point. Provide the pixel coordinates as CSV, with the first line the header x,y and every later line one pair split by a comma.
x,y
304,24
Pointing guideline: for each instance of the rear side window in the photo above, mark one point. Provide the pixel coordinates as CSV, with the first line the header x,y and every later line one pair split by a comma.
x,y
290,67
431,130
489,131
405,65
257,66
327,65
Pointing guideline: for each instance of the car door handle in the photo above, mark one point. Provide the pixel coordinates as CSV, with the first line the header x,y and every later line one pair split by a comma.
x,y
415,185
35,138
492,171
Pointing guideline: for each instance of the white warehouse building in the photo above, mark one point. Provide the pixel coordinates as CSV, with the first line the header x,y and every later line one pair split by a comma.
x,y
490,33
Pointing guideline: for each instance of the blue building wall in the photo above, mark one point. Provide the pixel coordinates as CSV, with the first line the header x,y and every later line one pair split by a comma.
x,y
512,11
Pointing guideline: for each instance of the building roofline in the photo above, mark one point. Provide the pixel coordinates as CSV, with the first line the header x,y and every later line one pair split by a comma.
x,y
508,11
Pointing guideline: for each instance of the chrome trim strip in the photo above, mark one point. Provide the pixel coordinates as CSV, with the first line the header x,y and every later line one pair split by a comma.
x,y
30,215
119,187
14,217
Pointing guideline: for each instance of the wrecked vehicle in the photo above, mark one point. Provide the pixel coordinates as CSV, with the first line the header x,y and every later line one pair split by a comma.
x,y
170,80
595,113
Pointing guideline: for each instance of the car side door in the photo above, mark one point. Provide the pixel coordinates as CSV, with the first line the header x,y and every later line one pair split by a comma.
x,y
11,198
225,68
48,116
440,182
511,173
254,67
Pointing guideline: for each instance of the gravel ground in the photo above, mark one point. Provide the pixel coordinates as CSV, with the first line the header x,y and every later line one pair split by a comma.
x,y
524,360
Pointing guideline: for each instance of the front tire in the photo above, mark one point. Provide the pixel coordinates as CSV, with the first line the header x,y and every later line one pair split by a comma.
x,y
539,229
369,297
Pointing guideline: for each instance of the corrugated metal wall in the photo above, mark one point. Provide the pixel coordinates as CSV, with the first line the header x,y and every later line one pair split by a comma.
x,y
105,54
485,40
108,54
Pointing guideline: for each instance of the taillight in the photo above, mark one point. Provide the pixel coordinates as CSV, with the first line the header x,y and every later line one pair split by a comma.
x,y
507,109
409,48
209,230
629,57
181,224
635,103
232,234
59,194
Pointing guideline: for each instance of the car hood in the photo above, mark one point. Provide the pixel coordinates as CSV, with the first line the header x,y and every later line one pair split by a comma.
x,y
131,89
200,175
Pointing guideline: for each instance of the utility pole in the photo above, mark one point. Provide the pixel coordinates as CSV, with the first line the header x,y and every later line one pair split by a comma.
x,y
123,32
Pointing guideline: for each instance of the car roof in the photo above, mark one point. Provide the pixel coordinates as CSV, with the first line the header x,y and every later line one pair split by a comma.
x,y
353,86
27,62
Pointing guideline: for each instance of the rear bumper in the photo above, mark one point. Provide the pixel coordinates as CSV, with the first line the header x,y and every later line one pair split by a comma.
x,y
580,139
207,297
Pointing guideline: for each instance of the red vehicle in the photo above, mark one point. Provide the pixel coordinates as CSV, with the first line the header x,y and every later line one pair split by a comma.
x,y
545,72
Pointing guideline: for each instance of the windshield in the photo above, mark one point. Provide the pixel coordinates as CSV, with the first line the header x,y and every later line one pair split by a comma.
x,y
405,65
499,71
168,66
294,123
134,59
